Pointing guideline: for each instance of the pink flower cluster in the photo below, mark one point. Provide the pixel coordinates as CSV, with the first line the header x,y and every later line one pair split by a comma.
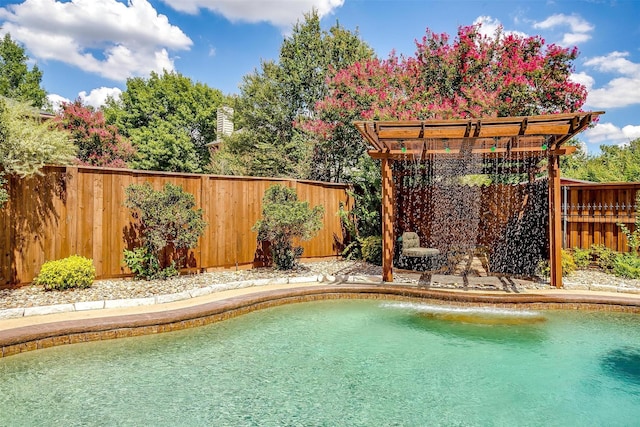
x,y
99,144
472,76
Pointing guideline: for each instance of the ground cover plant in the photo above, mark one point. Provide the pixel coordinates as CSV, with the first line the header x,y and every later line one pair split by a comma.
x,y
167,227
285,218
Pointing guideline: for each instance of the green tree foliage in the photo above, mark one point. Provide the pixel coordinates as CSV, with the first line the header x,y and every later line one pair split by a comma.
x,y
16,80
284,218
470,76
615,163
99,144
273,99
168,119
167,228
27,143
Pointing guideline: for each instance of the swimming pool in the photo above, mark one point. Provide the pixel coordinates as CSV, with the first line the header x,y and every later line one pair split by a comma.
x,y
342,363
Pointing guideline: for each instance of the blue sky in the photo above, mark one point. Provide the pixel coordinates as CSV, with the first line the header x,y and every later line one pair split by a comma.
x,y
88,48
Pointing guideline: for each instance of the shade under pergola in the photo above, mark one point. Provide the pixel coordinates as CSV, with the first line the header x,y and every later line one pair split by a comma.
x,y
534,137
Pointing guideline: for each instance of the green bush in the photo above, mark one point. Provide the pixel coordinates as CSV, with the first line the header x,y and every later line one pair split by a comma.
x,y
604,257
364,218
72,272
627,265
372,249
568,265
167,225
283,219
582,257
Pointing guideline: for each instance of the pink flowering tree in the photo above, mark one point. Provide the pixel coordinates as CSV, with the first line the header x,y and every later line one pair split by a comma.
x,y
470,76
99,144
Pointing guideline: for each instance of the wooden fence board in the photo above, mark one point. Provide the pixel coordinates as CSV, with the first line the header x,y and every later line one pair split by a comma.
x,y
80,210
594,211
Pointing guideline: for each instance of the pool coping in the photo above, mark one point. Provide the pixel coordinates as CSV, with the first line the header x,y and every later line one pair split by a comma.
x,y
198,312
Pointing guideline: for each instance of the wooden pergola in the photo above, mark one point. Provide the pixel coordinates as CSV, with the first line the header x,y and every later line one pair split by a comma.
x,y
535,136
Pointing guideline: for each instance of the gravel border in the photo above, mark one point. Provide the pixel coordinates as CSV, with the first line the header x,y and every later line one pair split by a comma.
x,y
34,300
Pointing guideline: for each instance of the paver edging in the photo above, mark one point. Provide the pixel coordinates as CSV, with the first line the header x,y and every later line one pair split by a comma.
x,y
34,337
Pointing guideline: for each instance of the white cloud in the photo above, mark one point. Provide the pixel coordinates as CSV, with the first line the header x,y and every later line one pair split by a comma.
x,y
98,96
616,62
583,78
282,13
610,133
56,101
105,37
623,90
579,28
489,26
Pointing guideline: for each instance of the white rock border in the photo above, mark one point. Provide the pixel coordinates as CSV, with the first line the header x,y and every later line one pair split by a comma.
x,y
13,313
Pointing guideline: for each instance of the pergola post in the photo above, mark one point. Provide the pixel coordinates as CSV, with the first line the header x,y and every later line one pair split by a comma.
x,y
387,221
555,222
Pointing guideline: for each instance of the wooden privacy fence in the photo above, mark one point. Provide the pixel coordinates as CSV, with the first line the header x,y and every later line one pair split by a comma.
x,y
591,212
80,210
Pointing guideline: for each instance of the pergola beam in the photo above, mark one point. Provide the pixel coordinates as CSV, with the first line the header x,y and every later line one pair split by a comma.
x,y
517,152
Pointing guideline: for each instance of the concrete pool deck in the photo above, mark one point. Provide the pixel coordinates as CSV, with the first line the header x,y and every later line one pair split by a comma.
x,y
22,334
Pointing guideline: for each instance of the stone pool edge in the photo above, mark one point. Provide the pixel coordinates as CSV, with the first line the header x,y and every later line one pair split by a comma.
x,y
40,336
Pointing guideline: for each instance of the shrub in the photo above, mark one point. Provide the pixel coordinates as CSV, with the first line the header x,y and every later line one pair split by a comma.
x,y
167,224
604,257
283,219
627,265
372,249
568,265
72,272
364,218
582,257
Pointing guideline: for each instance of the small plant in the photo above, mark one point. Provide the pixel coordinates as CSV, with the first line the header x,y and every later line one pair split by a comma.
x,y
283,219
72,272
144,264
168,225
633,238
4,195
604,257
568,265
627,265
372,249
582,257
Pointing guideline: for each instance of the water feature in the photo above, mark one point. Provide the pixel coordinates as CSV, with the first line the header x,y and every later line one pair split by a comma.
x,y
463,200
357,363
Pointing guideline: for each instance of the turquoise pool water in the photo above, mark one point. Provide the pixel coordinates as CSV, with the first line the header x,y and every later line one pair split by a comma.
x,y
342,363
